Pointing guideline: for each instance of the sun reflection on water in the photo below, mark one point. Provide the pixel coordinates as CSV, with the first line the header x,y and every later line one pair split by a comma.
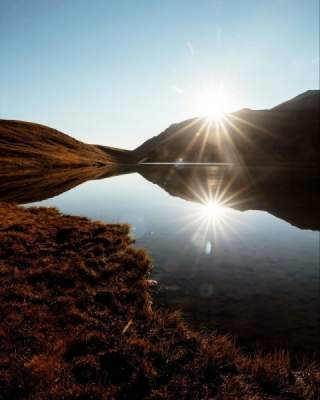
x,y
213,211
211,222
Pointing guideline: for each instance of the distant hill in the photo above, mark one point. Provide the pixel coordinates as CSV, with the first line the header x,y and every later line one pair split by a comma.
x,y
286,134
30,145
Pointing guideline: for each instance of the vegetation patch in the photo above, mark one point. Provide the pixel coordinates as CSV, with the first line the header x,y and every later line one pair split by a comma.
x,y
77,322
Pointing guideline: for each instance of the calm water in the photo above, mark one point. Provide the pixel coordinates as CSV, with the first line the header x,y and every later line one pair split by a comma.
x,y
235,250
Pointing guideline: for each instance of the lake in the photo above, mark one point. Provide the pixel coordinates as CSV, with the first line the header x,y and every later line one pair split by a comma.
x,y
235,249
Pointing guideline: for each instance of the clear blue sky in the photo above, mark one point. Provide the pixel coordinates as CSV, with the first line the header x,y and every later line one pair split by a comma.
x,y
117,72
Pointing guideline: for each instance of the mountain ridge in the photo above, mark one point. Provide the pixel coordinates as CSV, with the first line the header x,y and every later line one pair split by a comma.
x,y
285,134
308,100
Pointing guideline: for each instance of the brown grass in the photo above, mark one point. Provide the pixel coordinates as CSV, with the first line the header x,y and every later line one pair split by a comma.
x,y
30,145
77,322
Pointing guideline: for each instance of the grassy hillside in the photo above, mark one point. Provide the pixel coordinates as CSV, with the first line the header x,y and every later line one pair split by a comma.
x,y
77,322
29,145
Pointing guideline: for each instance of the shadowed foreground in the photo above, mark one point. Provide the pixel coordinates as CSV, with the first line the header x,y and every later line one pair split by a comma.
x,y
77,323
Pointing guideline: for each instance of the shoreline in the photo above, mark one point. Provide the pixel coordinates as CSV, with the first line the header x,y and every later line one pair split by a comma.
x,y
77,322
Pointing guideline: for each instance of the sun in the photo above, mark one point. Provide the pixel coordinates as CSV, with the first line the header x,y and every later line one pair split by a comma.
x,y
214,102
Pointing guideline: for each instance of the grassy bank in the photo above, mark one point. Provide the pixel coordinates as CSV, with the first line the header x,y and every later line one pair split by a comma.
x,y
77,322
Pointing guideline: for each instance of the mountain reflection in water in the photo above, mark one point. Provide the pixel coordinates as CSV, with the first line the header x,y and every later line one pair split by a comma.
x,y
289,194
245,273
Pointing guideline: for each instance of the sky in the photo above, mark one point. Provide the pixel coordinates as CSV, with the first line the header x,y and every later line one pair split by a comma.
x,y
118,72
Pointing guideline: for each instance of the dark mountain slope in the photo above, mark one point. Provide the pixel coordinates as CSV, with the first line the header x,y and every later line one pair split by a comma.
x,y
287,134
29,145
309,100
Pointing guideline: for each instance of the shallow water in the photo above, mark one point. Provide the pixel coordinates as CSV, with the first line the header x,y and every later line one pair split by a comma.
x,y
231,254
